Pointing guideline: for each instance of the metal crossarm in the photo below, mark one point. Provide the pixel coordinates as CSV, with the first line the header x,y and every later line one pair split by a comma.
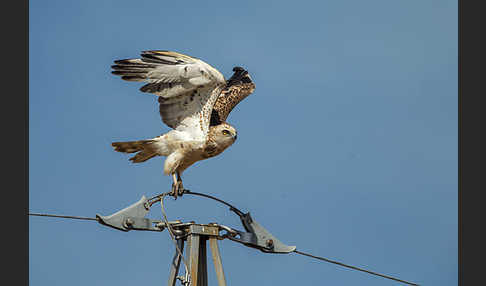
x,y
256,236
195,236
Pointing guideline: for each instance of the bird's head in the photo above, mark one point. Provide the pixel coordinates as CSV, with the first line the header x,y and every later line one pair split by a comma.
x,y
224,134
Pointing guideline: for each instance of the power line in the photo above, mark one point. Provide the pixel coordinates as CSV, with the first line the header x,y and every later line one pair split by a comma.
x,y
353,267
64,216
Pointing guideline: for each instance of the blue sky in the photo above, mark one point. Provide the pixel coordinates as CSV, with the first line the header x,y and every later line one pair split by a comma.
x,y
346,149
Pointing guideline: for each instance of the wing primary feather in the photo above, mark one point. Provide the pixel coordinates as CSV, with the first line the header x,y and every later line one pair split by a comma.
x,y
129,62
133,78
153,59
161,57
128,72
133,66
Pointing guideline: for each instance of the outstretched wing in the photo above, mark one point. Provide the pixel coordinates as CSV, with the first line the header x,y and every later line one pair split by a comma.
x,y
238,87
187,87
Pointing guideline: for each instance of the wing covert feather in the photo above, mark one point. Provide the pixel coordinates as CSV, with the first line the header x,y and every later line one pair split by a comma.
x,y
187,87
238,87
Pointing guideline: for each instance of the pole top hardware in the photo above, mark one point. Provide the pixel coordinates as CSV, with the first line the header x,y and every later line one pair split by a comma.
x,y
255,236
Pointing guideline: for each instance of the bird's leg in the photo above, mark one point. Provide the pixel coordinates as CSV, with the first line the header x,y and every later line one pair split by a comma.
x,y
174,186
177,187
179,184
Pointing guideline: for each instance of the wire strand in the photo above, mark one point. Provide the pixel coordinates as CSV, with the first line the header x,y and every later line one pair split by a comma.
x,y
172,236
64,216
354,267
232,208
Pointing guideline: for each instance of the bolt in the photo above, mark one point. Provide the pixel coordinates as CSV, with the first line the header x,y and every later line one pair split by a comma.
x,y
128,222
269,242
178,232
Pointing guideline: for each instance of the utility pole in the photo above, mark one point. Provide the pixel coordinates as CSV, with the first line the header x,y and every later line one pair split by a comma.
x,y
196,237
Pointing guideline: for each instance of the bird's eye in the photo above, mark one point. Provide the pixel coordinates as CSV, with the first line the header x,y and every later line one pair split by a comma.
x,y
226,132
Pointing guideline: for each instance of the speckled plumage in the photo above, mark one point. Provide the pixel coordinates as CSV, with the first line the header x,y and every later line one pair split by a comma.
x,y
194,99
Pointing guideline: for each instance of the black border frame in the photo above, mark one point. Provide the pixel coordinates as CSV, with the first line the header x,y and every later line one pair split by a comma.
x,y
16,133
471,146
15,136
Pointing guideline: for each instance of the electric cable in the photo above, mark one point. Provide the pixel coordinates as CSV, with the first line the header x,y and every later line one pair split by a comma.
x,y
64,216
172,236
353,267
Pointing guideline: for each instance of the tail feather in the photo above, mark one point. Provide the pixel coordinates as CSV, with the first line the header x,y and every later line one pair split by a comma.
x,y
142,156
143,147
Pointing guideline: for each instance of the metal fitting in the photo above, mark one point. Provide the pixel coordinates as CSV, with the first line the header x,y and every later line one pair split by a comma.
x,y
269,243
128,223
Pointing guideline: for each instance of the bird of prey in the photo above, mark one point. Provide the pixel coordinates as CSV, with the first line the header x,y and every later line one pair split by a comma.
x,y
194,100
